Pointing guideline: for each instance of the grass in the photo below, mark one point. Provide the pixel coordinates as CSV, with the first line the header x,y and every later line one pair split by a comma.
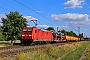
x,y
5,45
54,52
68,51
87,55
77,53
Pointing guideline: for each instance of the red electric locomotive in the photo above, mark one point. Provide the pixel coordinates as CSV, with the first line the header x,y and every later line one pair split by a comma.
x,y
33,34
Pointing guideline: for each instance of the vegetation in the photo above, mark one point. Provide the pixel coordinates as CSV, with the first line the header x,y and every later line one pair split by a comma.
x,y
55,52
50,29
63,31
5,45
81,35
87,54
1,35
71,33
12,25
75,54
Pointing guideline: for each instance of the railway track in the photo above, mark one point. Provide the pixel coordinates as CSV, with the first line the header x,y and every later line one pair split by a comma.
x,y
12,51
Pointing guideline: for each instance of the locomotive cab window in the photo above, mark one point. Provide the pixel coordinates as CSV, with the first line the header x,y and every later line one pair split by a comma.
x,y
35,31
24,30
29,30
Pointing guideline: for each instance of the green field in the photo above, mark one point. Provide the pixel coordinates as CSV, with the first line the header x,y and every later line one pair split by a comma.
x,y
65,52
75,54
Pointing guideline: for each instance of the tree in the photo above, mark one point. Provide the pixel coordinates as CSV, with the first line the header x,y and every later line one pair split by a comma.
x,y
69,33
63,31
12,25
1,35
50,29
80,35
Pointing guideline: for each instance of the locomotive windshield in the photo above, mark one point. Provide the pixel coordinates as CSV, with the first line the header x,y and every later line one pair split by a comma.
x,y
24,30
27,30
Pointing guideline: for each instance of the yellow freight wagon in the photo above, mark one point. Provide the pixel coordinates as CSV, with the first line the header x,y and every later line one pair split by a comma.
x,y
71,38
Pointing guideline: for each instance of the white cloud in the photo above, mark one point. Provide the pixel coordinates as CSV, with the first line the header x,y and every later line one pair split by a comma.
x,y
39,11
72,18
46,26
1,16
29,18
85,29
74,4
43,26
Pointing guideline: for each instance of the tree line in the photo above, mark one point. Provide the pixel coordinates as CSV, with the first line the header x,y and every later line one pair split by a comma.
x,y
69,33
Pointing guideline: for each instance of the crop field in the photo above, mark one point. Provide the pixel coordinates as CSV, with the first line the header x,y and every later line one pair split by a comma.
x,y
72,51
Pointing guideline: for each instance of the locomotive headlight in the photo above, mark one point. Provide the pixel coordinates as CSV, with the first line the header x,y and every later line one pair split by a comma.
x,y
23,35
30,35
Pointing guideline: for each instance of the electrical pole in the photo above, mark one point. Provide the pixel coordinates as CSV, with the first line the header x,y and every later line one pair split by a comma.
x,y
78,31
57,28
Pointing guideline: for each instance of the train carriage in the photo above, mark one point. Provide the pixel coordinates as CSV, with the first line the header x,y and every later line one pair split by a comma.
x,y
58,37
72,38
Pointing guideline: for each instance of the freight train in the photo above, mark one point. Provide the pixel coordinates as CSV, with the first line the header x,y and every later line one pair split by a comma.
x,y
33,34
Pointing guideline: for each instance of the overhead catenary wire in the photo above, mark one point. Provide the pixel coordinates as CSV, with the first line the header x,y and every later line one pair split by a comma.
x,y
78,30
32,10
31,5
6,4
9,6
35,8
4,8
72,27
26,7
38,10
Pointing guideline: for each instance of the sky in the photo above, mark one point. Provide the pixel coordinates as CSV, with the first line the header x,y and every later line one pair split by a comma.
x,y
71,15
